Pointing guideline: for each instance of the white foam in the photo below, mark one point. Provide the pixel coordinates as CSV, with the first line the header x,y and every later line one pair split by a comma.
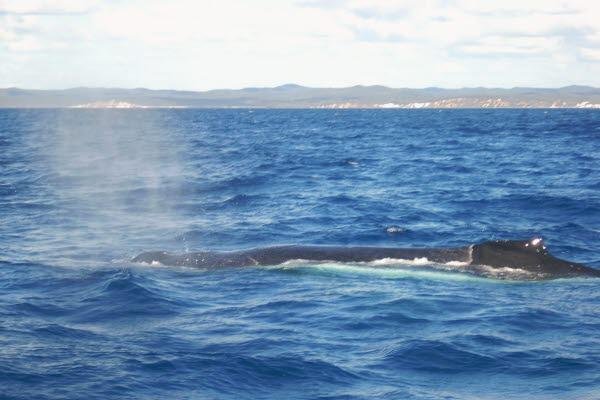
x,y
383,262
387,268
402,268
299,261
507,273
376,263
153,263
395,261
394,229
410,272
457,263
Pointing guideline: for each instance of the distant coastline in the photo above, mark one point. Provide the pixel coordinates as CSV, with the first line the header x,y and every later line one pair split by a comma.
x,y
296,96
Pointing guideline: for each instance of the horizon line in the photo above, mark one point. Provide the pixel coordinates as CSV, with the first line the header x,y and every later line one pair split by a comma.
x,y
299,86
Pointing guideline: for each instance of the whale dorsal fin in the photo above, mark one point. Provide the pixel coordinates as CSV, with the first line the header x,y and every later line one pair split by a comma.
x,y
510,253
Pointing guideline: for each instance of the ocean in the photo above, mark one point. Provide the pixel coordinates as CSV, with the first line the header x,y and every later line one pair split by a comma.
x,y
84,191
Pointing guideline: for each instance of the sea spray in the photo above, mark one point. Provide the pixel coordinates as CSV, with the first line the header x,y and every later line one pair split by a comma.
x,y
116,177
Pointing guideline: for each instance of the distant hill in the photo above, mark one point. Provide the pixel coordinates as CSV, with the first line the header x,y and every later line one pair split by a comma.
x,y
296,96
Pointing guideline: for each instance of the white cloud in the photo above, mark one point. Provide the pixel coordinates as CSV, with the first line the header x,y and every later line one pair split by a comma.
x,y
208,44
512,45
46,6
591,54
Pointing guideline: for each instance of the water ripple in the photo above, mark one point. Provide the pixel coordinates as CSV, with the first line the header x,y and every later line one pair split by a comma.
x,y
83,191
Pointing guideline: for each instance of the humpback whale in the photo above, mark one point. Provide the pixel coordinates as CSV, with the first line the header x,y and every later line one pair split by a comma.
x,y
496,258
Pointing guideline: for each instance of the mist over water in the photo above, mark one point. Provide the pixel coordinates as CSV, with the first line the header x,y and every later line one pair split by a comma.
x,y
83,191
113,179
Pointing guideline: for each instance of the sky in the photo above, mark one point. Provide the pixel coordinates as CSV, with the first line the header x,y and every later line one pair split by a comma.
x,y
202,44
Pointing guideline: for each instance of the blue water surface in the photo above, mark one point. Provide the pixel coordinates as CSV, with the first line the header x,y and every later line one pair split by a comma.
x,y
83,191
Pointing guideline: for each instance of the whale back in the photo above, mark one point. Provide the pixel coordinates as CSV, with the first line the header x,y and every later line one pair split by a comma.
x,y
530,255
525,255
510,253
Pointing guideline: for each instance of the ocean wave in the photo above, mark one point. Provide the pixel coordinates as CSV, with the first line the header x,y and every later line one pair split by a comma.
x,y
437,356
83,191
121,296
